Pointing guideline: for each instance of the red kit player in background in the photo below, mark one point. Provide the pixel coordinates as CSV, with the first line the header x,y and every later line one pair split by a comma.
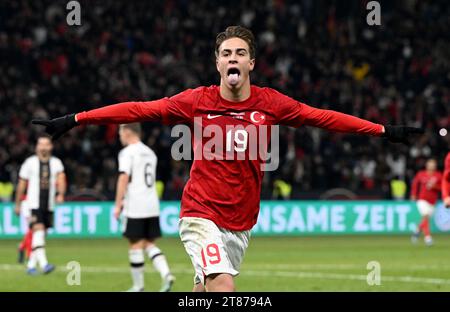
x,y
220,202
446,182
425,190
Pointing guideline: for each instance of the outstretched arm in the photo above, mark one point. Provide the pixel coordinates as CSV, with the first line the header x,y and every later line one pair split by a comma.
x,y
339,122
294,113
176,109
123,113
113,114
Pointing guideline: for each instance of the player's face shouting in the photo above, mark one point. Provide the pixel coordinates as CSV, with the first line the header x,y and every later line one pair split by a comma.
x,y
234,63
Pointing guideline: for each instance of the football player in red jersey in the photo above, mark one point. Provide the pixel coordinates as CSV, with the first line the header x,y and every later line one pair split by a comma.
x,y
425,190
446,182
220,202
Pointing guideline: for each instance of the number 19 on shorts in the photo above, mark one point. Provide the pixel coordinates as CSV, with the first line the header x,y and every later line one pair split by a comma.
x,y
211,254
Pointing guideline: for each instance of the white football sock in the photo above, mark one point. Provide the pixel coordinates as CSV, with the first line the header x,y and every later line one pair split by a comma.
x,y
159,261
38,247
32,260
137,260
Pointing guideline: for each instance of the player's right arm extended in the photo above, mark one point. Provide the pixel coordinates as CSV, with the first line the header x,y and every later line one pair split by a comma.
x,y
126,112
20,191
123,113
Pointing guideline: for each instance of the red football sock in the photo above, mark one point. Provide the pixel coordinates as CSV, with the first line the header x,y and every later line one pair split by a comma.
x,y
27,242
425,226
23,242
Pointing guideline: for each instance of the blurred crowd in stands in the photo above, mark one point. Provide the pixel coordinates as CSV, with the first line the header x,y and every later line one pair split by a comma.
x,y
322,53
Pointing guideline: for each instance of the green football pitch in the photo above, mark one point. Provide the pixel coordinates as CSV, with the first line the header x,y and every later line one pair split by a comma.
x,y
271,264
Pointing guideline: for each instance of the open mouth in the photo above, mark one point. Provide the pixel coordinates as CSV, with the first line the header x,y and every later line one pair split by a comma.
x,y
233,71
233,75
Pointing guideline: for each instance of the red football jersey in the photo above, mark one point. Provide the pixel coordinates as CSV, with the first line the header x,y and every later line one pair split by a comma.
x,y
427,186
227,191
446,178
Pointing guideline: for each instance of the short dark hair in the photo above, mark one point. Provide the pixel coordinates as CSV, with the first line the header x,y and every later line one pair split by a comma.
x,y
237,32
134,127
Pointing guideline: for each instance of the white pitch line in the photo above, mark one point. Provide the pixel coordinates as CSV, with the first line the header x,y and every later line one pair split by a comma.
x,y
339,276
443,267
92,269
265,273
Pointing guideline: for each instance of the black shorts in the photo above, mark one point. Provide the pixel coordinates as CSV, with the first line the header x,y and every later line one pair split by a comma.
x,y
142,228
42,216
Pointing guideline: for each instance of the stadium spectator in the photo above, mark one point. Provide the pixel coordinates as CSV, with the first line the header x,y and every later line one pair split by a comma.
x,y
6,191
322,51
398,188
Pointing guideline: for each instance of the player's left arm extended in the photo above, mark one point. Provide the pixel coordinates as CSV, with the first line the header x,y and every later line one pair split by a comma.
x,y
340,122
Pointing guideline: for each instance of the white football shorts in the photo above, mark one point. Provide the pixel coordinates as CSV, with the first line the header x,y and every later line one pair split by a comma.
x,y
425,208
212,249
25,210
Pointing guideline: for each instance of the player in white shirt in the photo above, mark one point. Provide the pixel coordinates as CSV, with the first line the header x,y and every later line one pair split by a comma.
x,y
137,198
42,176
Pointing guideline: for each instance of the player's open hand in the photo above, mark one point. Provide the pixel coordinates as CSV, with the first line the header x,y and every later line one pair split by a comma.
x,y
401,134
58,126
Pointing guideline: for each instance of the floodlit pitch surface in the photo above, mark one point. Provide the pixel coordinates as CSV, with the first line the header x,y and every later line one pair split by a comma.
x,y
325,263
